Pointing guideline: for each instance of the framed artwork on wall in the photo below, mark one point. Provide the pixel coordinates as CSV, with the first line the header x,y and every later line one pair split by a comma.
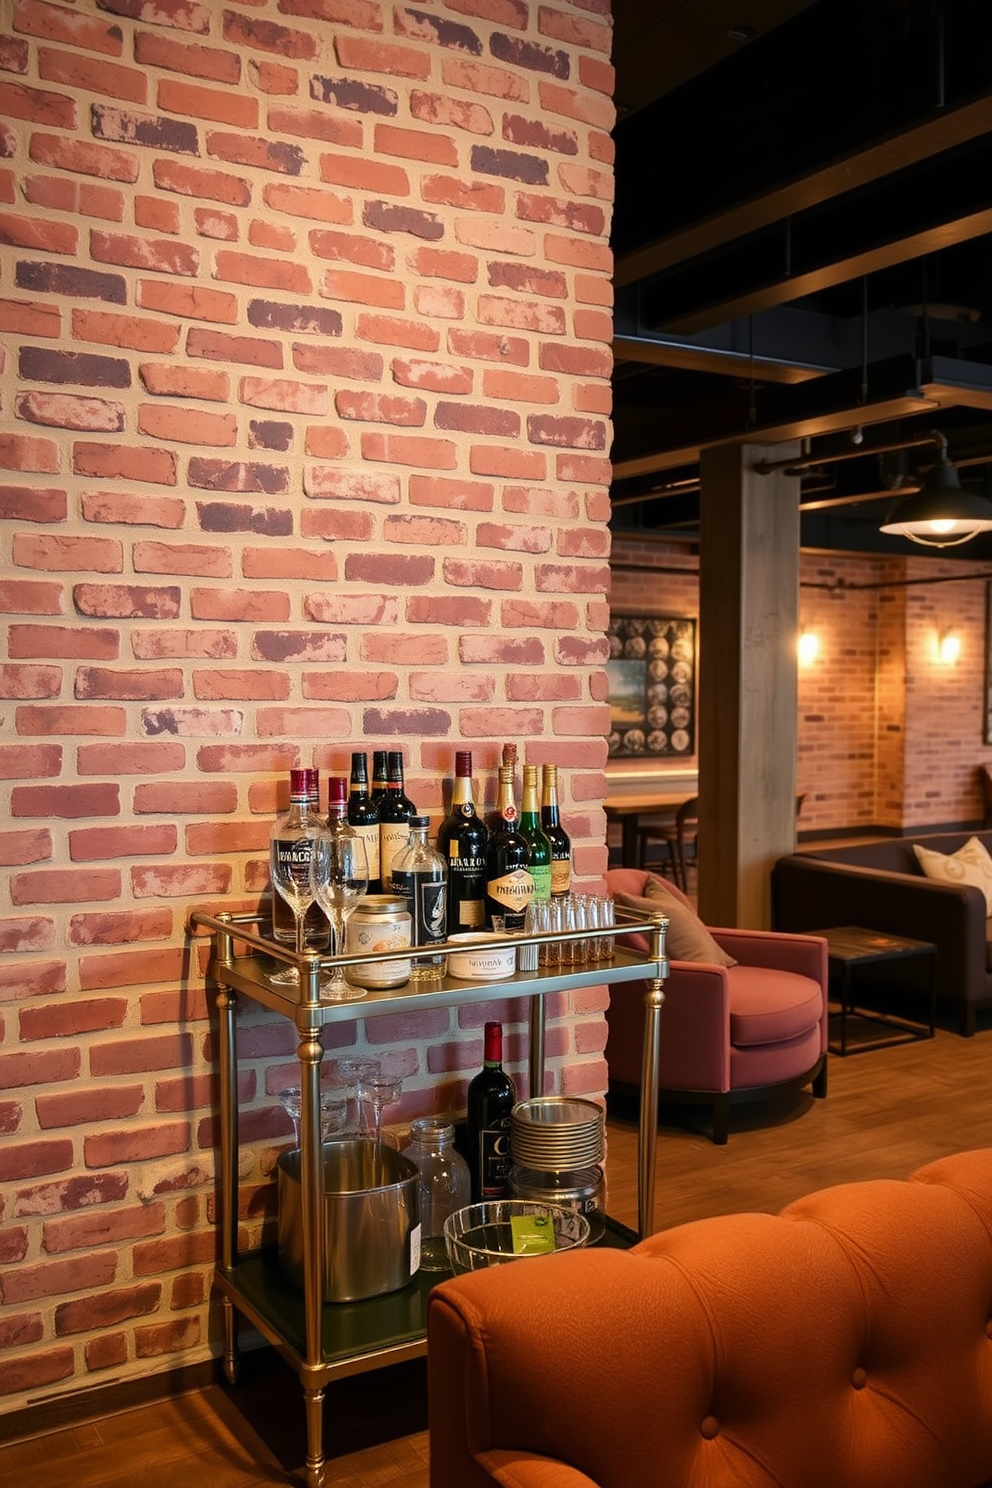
x,y
988,663
652,682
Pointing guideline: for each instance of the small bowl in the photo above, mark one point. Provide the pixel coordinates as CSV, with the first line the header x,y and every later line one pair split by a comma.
x,y
480,960
482,1235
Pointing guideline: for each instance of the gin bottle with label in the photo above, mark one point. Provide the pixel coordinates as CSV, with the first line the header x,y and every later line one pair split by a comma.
x,y
420,875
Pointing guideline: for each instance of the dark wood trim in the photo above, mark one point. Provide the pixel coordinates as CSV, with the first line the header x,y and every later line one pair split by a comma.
x,y
109,1398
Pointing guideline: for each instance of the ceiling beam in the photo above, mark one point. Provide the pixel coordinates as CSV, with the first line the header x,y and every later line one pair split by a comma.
x,y
938,133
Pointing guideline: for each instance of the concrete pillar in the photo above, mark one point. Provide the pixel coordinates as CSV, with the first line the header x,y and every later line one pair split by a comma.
x,y
748,620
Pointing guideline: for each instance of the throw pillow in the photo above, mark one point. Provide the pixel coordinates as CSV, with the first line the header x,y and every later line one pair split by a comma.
x,y
971,864
688,938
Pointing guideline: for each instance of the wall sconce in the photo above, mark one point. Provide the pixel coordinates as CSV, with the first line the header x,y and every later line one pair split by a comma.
x,y
808,646
948,647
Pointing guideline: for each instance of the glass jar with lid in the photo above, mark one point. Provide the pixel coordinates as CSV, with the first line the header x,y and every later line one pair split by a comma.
x,y
444,1185
379,922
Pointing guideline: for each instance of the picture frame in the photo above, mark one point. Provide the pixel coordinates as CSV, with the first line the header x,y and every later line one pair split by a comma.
x,y
652,686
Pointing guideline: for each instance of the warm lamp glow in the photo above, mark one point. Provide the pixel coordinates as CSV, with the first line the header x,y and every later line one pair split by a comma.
x,y
808,647
948,647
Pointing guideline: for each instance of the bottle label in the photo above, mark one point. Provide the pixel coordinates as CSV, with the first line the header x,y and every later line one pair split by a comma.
x,y
370,836
470,915
561,876
427,901
541,874
393,838
494,1161
295,856
514,890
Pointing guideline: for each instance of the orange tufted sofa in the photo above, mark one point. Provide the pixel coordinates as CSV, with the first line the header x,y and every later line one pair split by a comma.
x,y
844,1343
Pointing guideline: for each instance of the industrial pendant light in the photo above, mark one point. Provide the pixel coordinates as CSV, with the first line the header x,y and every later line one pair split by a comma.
x,y
940,514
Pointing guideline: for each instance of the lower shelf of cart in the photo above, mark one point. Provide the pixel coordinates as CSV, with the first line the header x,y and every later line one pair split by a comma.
x,y
351,1331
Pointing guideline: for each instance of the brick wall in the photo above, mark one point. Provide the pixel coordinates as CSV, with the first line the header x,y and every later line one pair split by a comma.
x,y
304,355
887,735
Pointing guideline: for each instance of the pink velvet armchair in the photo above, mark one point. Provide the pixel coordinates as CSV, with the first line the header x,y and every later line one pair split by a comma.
x,y
728,1034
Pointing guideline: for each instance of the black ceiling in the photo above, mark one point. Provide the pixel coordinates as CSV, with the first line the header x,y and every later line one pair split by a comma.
x,y
803,248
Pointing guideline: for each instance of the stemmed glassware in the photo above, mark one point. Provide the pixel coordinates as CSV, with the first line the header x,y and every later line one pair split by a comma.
x,y
350,1072
339,877
333,1111
290,868
380,1090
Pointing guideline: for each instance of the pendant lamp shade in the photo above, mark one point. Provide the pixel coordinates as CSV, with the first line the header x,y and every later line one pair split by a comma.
x,y
940,514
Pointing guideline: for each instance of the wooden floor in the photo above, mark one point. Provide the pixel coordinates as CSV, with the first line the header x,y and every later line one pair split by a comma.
x,y
887,1111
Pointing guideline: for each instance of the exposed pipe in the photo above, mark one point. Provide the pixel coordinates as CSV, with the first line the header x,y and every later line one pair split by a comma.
x,y
796,467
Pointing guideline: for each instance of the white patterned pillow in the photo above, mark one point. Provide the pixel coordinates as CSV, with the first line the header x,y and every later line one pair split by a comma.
x,y
971,864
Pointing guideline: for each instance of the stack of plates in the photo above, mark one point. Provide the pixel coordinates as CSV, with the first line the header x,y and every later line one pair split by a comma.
x,y
557,1134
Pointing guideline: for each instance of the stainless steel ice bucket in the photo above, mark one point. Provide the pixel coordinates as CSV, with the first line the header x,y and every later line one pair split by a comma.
x,y
371,1219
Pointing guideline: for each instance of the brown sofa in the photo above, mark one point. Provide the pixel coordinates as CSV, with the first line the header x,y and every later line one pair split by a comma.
x,y
881,886
845,1343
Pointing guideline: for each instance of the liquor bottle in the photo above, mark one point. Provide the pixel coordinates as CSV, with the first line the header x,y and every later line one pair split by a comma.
x,y
538,846
491,1097
507,758
420,875
337,806
363,816
379,785
561,843
509,882
461,841
395,811
288,831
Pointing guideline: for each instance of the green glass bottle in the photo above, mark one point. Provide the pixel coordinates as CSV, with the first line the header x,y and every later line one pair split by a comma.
x,y
539,854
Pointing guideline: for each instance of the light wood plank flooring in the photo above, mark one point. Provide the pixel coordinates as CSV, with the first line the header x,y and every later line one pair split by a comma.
x,y
887,1111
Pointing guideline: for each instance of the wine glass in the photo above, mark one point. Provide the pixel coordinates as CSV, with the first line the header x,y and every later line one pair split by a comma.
x,y
349,1072
291,876
380,1090
333,1111
339,877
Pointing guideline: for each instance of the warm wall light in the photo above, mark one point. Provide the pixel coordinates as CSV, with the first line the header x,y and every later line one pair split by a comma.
x,y
948,647
940,514
808,647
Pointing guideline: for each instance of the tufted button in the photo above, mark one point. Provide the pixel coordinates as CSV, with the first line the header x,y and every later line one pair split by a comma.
x,y
710,1428
859,1378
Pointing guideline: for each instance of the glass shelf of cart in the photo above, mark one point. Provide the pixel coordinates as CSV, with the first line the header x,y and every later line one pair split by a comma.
x,y
350,1331
250,974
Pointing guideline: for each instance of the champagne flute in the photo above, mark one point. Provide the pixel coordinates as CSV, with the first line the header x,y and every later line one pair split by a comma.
x,y
339,877
289,866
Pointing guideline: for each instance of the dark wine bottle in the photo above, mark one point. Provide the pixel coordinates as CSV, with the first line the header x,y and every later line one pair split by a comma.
x,y
509,882
561,843
538,846
461,840
363,816
395,811
379,782
491,1098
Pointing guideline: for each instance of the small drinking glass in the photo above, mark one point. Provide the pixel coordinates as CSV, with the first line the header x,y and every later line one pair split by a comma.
x,y
535,923
549,952
574,951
